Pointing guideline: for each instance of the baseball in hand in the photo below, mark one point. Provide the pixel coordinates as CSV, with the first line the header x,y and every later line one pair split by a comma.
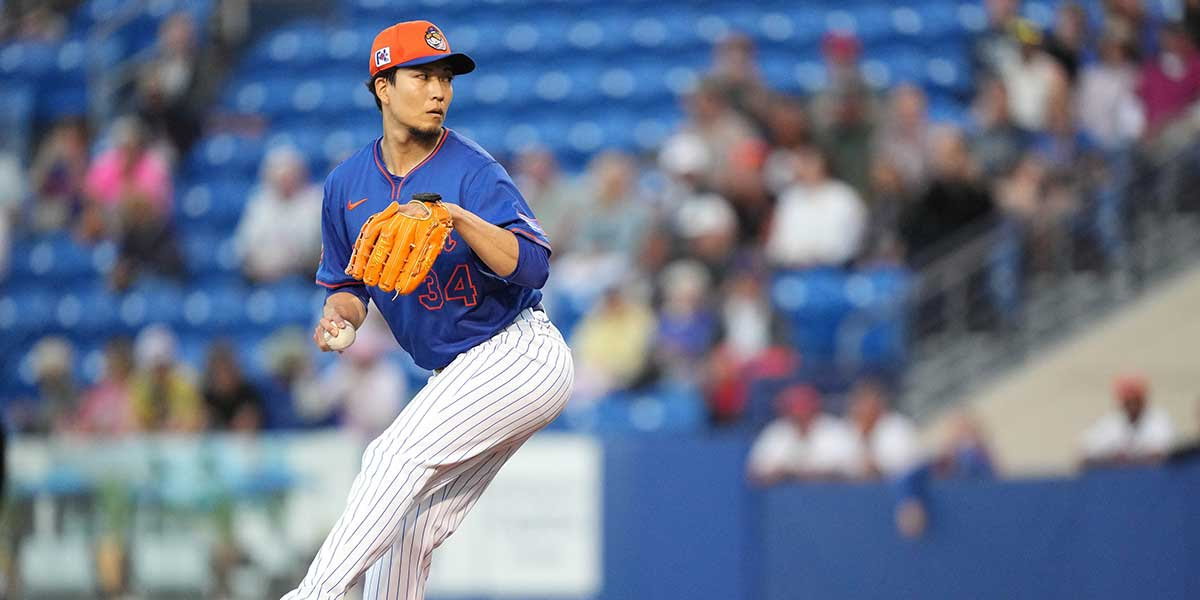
x,y
342,340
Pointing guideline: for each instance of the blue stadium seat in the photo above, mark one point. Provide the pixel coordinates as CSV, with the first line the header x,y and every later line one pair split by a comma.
x,y
874,22
213,206
53,258
939,20
28,311
220,310
294,46
152,301
231,156
207,253
30,61
89,311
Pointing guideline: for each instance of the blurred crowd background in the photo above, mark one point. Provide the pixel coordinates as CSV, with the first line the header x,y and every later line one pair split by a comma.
x,y
766,217
742,214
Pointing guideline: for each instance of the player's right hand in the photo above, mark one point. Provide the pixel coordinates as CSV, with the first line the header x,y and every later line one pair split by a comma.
x,y
332,321
333,326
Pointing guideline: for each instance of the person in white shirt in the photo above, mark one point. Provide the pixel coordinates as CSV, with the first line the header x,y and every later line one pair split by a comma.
x,y
1133,434
280,230
1032,80
818,221
886,441
803,443
1109,109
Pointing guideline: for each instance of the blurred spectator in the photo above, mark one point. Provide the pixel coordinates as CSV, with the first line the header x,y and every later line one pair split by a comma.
x,y
364,386
165,397
232,402
12,196
1191,20
1063,147
844,112
965,453
1135,433
735,73
789,131
802,443
718,129
840,51
687,326
743,347
57,177
50,410
549,194
1040,201
905,135
612,217
291,384
997,142
1135,22
888,198
107,409
818,221
130,172
735,385
280,231
1067,44
58,394
707,228
167,83
147,244
1170,81
886,441
1023,193
955,199
31,22
129,199
1108,106
745,316
1031,79
621,319
994,48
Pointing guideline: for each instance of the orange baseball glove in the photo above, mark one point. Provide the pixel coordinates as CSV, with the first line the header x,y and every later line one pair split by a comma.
x,y
394,251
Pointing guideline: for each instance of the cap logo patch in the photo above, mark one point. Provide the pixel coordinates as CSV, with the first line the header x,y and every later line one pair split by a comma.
x,y
383,56
434,38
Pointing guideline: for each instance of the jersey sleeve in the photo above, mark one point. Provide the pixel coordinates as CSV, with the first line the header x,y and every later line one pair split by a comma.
x,y
492,195
335,250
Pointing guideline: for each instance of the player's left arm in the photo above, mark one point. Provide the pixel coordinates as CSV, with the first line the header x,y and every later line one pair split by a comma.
x,y
494,220
497,247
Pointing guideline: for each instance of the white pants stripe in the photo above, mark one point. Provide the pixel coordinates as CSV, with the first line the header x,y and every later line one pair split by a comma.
x,y
421,477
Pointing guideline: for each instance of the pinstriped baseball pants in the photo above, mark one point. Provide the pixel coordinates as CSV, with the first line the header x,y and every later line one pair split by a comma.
x,y
424,473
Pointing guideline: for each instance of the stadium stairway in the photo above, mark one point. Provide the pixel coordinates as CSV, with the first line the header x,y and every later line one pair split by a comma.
x,y
1036,414
1038,378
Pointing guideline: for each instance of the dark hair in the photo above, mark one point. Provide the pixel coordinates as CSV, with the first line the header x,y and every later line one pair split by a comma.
x,y
387,74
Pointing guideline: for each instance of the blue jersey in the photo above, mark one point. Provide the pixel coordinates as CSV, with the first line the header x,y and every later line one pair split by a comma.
x,y
461,303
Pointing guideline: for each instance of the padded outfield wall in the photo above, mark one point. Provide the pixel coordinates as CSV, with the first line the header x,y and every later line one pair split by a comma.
x,y
670,517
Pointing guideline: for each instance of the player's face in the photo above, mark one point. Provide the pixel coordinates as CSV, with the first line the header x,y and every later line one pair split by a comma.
x,y
421,97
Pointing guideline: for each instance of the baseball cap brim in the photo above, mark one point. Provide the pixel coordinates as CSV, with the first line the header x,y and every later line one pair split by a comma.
x,y
459,63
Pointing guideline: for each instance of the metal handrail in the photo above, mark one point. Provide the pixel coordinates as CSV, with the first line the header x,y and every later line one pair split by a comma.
x,y
950,359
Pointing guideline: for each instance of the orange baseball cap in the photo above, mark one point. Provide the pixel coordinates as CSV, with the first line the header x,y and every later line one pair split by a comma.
x,y
413,43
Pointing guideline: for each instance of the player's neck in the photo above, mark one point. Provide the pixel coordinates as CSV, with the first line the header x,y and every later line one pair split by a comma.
x,y
402,151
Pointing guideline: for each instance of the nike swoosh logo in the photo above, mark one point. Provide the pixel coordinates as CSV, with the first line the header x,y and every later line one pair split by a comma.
x,y
354,205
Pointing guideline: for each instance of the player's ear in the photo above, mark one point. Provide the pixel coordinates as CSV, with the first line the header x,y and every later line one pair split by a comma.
x,y
381,89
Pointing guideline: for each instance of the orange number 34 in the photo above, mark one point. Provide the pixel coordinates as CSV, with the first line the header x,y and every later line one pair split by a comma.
x,y
458,287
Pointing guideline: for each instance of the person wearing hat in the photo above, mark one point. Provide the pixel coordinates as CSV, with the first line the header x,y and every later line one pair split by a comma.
x,y
502,369
1132,434
802,443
